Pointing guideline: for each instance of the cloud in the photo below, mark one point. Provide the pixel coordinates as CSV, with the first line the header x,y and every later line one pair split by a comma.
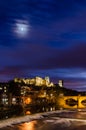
x,y
39,56
52,22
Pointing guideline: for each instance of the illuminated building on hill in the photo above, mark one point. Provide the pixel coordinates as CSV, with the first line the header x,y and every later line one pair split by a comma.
x,y
38,81
60,83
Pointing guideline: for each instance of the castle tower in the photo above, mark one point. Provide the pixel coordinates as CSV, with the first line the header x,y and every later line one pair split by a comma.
x,y
39,81
47,80
60,83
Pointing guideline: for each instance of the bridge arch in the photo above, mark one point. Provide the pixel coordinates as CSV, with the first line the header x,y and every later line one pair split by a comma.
x,y
72,102
82,102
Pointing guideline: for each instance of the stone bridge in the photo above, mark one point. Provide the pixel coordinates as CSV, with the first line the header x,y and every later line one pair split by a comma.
x,y
72,102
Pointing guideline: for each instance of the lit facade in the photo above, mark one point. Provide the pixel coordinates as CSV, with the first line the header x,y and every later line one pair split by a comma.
x,y
4,96
60,83
37,81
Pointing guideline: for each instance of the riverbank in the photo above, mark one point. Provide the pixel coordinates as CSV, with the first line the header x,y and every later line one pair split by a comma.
x,y
21,119
28,118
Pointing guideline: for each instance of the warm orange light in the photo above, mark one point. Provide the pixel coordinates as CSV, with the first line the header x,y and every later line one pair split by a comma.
x,y
28,100
28,113
28,126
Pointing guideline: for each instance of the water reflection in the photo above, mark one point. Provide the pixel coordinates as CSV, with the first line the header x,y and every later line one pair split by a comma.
x,y
28,126
32,110
46,109
80,115
19,110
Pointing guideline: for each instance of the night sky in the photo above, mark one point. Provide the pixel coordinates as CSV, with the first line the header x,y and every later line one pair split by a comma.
x,y
44,38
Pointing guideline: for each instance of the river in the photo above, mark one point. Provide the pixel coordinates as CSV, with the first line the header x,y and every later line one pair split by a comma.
x,y
56,120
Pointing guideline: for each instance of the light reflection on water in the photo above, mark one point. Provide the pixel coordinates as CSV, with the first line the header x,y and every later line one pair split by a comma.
x,y
81,115
28,126
46,109
37,110
52,122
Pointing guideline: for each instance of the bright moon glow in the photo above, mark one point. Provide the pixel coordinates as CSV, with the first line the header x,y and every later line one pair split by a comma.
x,y
22,28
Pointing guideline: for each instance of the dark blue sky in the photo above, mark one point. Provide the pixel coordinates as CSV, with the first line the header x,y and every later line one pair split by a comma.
x,y
44,38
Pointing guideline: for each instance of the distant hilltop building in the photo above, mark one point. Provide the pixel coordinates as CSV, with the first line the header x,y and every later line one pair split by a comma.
x,y
38,81
60,83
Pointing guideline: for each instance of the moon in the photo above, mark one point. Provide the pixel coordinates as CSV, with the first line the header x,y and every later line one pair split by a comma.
x,y
22,28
